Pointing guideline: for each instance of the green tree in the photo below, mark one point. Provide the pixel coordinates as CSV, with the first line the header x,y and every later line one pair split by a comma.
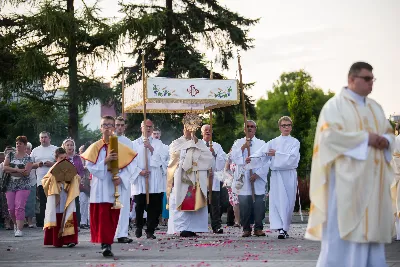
x,y
277,105
54,45
29,118
169,36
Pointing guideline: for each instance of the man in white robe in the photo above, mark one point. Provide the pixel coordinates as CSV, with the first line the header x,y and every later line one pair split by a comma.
x,y
103,218
125,194
165,213
283,153
351,177
257,176
218,165
190,161
396,186
156,155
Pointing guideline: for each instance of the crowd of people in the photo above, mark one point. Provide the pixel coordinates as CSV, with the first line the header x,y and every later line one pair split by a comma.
x,y
352,186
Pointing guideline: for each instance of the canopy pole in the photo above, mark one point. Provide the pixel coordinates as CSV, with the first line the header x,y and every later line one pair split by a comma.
x,y
245,121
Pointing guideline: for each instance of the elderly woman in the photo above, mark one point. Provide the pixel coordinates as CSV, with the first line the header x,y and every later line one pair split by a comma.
x,y
19,165
69,146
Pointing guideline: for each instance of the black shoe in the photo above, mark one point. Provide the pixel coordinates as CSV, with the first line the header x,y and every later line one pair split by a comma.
x,y
84,226
286,234
106,250
150,236
187,234
218,231
230,224
71,245
157,228
124,240
138,232
281,234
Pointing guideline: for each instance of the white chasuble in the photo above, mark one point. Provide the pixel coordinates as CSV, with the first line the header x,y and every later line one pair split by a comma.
x,y
362,179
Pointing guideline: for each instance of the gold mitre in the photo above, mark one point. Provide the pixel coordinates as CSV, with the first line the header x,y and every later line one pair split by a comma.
x,y
64,171
192,122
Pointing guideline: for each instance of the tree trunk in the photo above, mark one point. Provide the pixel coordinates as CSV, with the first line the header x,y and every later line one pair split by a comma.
x,y
73,117
168,40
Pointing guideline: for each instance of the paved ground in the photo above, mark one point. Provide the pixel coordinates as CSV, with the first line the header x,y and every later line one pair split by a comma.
x,y
206,250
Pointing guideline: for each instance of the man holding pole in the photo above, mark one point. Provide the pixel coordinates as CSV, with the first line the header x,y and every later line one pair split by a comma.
x,y
253,178
156,155
218,165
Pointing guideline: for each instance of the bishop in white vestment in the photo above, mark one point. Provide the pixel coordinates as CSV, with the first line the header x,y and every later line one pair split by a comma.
x,y
351,177
283,153
190,161
239,154
156,155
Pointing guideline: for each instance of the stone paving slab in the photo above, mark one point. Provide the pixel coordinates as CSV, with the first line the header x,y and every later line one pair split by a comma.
x,y
228,249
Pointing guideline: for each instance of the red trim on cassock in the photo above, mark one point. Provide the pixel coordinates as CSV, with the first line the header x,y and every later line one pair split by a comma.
x,y
51,235
103,222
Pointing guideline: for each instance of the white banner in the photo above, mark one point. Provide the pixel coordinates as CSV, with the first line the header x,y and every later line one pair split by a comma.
x,y
165,95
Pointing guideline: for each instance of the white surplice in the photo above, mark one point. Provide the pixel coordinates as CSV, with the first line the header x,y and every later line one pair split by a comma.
x,y
337,251
238,157
156,166
218,164
123,222
283,180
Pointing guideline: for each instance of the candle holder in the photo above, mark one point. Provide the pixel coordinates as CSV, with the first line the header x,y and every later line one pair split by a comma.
x,y
117,204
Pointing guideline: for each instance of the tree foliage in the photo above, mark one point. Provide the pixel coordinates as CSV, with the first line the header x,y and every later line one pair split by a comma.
x,y
277,105
169,33
29,118
301,112
55,47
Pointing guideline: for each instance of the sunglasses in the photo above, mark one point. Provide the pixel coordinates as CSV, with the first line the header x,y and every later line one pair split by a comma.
x,y
367,78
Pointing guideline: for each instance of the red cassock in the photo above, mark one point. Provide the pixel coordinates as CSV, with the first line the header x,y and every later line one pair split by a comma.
x,y
103,231
51,235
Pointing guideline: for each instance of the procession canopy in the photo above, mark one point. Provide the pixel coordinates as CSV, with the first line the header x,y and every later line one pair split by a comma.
x,y
167,95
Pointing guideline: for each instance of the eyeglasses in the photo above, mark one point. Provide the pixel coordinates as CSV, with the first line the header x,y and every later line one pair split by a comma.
x,y
286,125
107,125
367,78
118,125
251,126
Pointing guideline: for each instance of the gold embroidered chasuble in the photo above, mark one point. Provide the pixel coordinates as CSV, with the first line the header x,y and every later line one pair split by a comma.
x,y
189,164
362,186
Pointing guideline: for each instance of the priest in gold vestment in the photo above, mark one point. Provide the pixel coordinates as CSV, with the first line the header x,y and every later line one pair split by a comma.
x,y
351,177
189,165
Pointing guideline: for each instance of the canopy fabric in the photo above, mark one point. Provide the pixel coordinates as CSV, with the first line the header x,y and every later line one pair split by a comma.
x,y
167,95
